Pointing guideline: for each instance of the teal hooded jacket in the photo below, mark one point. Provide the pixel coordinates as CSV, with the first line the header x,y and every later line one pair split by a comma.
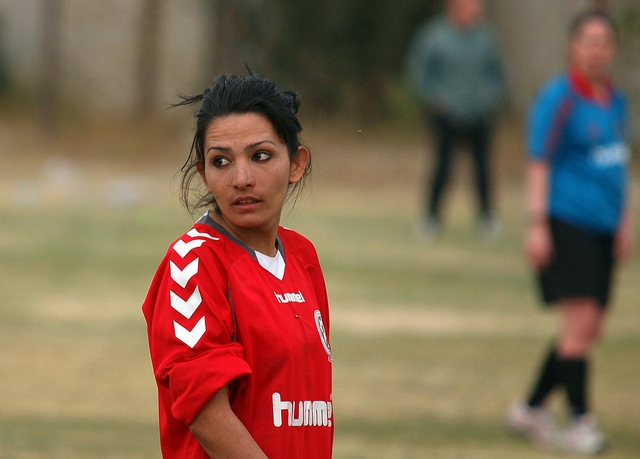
x,y
457,73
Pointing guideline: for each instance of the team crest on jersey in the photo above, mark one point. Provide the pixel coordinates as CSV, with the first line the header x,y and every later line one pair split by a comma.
x,y
323,333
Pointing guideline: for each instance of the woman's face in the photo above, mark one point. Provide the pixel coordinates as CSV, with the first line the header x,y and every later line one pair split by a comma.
x,y
466,13
248,171
593,49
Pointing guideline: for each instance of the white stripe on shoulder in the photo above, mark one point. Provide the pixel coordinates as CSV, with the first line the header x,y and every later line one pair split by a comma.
x,y
195,233
186,308
182,276
183,248
190,337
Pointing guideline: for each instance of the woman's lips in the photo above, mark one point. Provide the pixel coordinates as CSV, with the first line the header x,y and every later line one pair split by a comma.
x,y
246,202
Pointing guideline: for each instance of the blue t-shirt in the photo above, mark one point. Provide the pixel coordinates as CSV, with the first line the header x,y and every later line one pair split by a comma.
x,y
585,143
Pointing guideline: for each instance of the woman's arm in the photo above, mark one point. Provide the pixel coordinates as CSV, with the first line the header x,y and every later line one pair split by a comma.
x,y
624,239
221,433
538,243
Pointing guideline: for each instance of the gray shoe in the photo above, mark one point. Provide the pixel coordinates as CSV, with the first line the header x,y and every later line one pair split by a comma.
x,y
534,423
583,436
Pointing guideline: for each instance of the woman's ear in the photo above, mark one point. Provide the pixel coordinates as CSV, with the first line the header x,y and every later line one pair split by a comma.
x,y
200,168
299,164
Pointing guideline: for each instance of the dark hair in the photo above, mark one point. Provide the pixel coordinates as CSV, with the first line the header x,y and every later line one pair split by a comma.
x,y
593,15
231,95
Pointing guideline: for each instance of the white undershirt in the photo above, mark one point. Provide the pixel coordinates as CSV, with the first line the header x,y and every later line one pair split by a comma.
x,y
275,265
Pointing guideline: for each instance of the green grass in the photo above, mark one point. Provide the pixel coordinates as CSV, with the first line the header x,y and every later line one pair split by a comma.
x,y
64,437
431,341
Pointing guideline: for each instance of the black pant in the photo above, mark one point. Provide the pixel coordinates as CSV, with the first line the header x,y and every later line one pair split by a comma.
x,y
447,135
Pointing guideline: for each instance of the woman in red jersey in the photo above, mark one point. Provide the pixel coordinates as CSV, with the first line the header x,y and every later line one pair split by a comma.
x,y
237,313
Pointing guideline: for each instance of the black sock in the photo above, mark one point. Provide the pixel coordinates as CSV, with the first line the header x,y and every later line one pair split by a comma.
x,y
547,380
573,373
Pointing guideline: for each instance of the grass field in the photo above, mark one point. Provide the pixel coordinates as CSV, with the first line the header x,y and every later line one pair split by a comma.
x,y
431,341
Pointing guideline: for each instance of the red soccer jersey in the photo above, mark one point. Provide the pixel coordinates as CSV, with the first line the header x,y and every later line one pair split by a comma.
x,y
215,316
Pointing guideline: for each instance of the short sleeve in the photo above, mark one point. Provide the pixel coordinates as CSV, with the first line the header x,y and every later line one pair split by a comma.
x,y
547,119
190,327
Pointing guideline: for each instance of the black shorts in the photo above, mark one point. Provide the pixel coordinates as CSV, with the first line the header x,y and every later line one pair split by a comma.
x,y
582,266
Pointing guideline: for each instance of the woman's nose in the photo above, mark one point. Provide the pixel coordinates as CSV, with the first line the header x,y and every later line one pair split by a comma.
x,y
243,176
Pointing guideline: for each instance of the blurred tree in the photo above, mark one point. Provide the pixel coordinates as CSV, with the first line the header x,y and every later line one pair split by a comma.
x,y
4,72
148,56
343,54
226,17
239,36
51,66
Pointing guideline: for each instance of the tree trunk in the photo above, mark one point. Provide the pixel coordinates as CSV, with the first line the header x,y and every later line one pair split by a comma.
x,y
226,22
148,57
51,70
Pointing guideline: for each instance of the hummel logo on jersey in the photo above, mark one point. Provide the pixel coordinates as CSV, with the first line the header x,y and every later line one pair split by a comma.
x,y
289,297
309,413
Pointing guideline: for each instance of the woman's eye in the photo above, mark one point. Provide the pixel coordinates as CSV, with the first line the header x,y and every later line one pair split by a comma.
x,y
219,161
261,156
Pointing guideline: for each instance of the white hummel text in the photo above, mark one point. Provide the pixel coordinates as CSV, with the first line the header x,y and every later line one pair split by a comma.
x,y
309,413
289,297
611,155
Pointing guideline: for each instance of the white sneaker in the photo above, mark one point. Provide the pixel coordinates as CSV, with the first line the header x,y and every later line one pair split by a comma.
x,y
534,423
583,436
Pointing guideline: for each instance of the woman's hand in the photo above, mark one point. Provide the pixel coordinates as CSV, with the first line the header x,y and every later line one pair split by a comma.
x,y
538,241
539,244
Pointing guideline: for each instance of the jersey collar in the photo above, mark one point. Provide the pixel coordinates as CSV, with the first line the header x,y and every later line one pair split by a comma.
x,y
585,88
207,220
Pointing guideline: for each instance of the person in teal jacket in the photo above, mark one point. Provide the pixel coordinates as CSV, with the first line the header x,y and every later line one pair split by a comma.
x,y
455,67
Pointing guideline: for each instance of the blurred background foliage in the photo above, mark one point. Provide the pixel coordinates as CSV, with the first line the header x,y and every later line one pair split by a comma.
x,y
348,53
129,58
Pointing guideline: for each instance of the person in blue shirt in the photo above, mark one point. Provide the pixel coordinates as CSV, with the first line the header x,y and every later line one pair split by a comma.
x,y
455,67
580,224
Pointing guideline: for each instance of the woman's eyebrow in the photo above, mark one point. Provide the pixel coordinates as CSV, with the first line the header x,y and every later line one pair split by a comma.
x,y
247,148
255,144
218,147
